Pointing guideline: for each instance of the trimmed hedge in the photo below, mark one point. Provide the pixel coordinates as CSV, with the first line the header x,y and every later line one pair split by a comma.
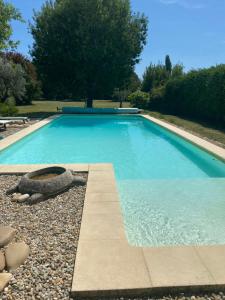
x,y
199,94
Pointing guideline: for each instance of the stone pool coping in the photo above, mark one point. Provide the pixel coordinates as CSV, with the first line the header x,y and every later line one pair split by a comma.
x,y
105,262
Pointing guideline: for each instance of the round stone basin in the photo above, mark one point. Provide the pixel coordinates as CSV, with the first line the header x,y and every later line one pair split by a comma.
x,y
47,181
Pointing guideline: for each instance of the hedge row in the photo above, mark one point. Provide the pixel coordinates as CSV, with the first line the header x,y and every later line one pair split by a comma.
x,y
199,94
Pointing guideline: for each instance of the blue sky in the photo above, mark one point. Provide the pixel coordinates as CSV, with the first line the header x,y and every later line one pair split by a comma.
x,y
192,32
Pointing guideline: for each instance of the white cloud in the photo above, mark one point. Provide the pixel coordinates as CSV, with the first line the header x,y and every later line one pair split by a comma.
x,y
184,3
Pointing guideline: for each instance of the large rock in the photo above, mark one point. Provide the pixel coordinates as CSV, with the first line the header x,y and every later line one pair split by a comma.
x,y
4,280
6,235
2,261
16,254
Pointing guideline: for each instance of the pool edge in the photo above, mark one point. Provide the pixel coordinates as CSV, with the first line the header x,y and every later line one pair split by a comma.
x,y
11,139
109,266
209,147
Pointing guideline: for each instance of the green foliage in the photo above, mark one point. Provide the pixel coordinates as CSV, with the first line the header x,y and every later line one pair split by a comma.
x,y
168,64
154,76
199,94
156,96
8,109
134,83
177,71
158,75
12,81
120,95
8,13
139,99
86,48
33,85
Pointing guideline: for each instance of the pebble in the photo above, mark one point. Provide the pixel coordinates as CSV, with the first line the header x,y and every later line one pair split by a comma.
x,y
51,229
23,198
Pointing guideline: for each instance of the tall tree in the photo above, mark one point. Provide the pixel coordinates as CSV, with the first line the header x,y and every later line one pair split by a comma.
x,y
7,13
134,83
168,64
12,80
154,76
86,48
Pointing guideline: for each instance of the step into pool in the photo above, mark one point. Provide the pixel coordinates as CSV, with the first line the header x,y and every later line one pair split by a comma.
x,y
171,192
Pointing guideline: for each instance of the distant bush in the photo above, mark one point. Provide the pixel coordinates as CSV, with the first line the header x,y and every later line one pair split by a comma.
x,y
156,96
33,85
8,110
139,99
199,94
12,81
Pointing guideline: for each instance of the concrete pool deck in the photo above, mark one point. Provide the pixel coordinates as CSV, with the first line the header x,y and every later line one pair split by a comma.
x,y
107,265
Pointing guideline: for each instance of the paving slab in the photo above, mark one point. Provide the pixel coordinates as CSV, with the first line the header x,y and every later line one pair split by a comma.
x,y
101,175
213,257
100,167
101,187
176,266
102,227
104,197
102,207
104,267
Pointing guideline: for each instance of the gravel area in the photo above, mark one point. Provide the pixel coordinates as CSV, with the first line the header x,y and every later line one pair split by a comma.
x,y
13,128
51,229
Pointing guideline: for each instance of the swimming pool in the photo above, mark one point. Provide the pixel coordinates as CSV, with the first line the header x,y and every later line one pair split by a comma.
x,y
172,192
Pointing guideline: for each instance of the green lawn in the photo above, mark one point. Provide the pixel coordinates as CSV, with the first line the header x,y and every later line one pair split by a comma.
x,y
45,108
215,134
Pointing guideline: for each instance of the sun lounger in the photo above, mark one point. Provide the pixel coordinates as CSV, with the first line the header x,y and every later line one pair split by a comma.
x,y
5,122
24,119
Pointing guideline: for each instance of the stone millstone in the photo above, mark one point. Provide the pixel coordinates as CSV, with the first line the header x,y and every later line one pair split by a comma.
x,y
6,235
16,254
4,280
2,261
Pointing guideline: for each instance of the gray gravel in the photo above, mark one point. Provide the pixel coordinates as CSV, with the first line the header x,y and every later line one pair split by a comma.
x,y
51,229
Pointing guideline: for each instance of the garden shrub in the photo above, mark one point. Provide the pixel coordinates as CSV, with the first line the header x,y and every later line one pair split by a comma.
x,y
8,110
139,99
156,97
199,94
12,80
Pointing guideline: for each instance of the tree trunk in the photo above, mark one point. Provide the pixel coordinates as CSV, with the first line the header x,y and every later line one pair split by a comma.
x,y
89,103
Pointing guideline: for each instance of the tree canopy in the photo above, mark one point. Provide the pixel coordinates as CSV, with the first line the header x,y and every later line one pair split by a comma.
x,y
158,75
86,48
8,13
12,80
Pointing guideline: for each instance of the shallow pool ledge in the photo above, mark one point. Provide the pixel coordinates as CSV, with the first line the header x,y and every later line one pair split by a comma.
x,y
106,265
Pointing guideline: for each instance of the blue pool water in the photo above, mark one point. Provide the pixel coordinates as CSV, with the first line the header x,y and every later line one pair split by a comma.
x,y
172,192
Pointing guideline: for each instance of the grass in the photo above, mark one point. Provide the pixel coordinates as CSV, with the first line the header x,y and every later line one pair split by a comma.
x,y
212,133
46,108
215,134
